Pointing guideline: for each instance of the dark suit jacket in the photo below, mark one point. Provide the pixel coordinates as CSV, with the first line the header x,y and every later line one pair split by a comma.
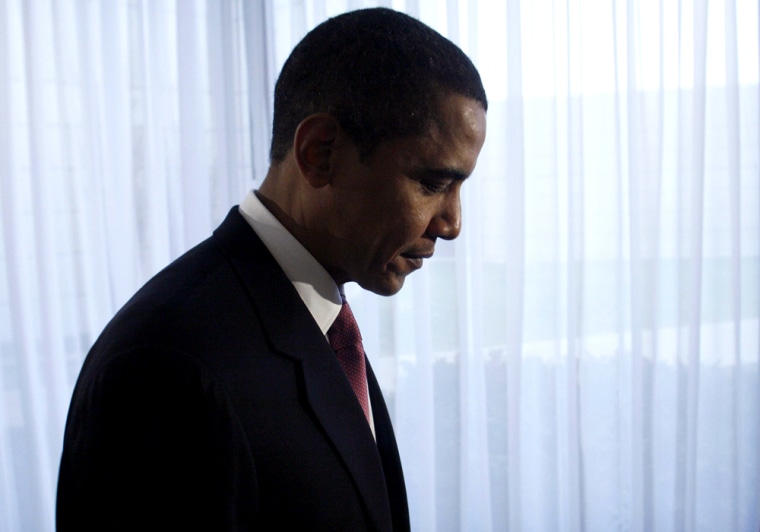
x,y
212,401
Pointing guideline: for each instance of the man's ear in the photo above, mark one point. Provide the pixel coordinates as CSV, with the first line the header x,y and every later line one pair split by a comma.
x,y
313,147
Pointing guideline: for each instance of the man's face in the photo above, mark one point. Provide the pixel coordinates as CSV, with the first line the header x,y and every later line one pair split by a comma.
x,y
388,211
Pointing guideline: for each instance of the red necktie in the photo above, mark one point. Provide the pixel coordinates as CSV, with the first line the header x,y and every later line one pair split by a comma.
x,y
346,341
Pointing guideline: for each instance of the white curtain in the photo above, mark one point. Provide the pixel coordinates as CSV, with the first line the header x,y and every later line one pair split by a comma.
x,y
125,135
586,356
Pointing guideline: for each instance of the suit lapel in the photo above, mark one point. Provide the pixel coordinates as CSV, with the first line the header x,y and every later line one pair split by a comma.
x,y
388,449
293,332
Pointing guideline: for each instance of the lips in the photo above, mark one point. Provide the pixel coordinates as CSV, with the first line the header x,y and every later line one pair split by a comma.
x,y
416,262
415,259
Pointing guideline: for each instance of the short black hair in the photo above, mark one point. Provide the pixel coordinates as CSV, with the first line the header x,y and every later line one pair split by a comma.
x,y
379,72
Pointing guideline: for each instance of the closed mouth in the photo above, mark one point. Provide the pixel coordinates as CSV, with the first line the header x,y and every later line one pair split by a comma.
x,y
416,258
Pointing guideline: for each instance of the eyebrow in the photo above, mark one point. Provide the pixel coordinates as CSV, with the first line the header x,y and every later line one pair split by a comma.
x,y
439,173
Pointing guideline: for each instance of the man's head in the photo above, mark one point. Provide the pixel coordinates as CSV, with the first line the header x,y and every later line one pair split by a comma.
x,y
380,73
378,121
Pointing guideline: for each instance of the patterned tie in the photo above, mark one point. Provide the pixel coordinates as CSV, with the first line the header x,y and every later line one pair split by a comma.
x,y
346,341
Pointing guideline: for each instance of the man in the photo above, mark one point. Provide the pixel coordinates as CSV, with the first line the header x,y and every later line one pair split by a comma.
x,y
214,399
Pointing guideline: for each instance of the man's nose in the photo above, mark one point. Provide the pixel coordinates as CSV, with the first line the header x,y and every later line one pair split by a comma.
x,y
447,222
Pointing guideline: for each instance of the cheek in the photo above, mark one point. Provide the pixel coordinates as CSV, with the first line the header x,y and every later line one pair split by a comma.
x,y
390,235
392,222
411,225
418,224
421,213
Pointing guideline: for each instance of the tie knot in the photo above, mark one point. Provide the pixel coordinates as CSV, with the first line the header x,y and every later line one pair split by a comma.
x,y
344,332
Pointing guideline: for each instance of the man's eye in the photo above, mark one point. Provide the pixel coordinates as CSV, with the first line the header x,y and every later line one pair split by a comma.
x,y
434,186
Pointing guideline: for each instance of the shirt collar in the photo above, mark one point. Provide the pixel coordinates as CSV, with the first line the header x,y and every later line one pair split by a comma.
x,y
316,287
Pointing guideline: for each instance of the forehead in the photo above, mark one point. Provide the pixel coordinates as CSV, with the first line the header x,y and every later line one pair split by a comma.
x,y
454,139
459,115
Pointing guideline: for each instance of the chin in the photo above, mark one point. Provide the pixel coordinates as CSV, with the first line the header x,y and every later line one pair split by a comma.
x,y
387,285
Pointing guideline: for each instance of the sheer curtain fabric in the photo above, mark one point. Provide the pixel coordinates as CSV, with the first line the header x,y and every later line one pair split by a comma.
x,y
125,136
586,356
